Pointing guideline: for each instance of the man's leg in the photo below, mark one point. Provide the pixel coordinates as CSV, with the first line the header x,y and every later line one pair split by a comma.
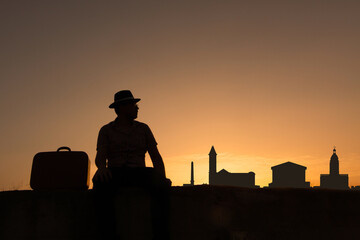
x,y
148,179
105,210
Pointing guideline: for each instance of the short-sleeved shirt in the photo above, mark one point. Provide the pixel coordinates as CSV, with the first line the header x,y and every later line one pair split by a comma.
x,y
125,147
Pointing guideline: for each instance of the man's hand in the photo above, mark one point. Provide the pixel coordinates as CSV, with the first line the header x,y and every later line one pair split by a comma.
x,y
102,175
168,182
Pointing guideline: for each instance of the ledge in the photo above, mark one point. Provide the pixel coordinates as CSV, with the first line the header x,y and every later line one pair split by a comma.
x,y
198,212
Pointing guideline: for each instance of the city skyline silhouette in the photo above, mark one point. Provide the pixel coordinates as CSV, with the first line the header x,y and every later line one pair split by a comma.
x,y
284,175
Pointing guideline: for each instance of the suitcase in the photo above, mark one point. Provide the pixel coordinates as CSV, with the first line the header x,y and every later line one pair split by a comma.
x,y
60,170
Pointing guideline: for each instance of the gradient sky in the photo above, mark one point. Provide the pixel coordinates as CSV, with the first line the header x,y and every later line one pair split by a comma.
x,y
265,82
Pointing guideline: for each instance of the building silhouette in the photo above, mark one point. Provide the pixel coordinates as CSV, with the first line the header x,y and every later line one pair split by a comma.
x,y
192,176
334,180
224,177
289,175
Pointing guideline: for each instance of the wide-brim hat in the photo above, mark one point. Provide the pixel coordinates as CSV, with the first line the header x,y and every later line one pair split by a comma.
x,y
124,96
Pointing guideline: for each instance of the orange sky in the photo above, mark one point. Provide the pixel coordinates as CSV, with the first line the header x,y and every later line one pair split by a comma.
x,y
263,81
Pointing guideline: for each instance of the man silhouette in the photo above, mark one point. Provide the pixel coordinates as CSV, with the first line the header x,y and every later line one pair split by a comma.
x,y
120,159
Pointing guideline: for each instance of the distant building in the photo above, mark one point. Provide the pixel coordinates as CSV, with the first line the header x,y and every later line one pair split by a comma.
x,y
226,178
334,180
192,176
289,175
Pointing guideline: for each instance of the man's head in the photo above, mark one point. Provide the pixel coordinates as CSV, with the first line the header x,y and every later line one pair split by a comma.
x,y
125,104
127,109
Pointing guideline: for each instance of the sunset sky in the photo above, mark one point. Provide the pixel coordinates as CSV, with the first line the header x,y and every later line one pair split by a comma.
x,y
265,82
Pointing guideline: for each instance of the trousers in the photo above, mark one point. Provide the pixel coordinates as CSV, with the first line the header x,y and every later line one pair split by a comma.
x,y
142,177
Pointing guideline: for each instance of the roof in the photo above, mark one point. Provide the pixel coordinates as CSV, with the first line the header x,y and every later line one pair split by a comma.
x,y
288,164
223,171
212,151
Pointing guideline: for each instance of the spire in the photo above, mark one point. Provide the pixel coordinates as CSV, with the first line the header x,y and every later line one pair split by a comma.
x,y
212,151
212,165
334,163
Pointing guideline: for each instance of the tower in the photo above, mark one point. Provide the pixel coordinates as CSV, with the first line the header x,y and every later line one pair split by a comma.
x,y
212,165
192,177
334,180
192,174
334,163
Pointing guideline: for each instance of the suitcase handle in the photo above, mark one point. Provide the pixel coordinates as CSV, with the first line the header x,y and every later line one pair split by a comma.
x,y
64,148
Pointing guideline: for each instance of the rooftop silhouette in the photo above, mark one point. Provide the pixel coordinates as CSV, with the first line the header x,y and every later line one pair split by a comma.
x,y
289,175
224,177
334,180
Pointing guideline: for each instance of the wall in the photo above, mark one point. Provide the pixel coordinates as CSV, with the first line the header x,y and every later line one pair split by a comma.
x,y
199,212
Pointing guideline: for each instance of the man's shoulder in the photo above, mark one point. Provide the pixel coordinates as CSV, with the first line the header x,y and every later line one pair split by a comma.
x,y
145,129
107,126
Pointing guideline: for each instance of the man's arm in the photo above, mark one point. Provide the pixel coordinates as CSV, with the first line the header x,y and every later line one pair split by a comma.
x,y
103,174
100,159
155,156
157,160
